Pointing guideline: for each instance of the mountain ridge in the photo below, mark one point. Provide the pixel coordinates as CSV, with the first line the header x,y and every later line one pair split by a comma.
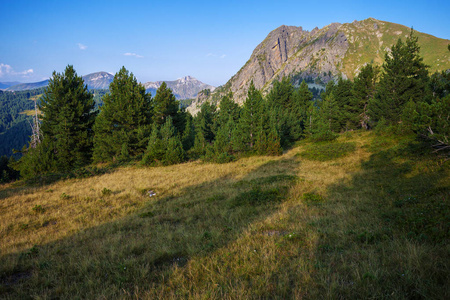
x,y
5,85
186,87
322,55
96,80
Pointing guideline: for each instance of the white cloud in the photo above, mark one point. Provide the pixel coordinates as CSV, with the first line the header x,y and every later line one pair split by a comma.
x,y
7,70
81,46
216,55
133,54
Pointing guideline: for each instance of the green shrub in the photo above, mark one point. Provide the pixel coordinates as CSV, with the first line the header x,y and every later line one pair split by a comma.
x,y
106,192
64,196
38,209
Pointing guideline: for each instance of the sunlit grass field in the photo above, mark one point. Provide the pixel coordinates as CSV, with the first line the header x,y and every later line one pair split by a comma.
x,y
364,217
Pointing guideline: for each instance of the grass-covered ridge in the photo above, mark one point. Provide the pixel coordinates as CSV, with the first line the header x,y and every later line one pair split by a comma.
x,y
370,39
371,223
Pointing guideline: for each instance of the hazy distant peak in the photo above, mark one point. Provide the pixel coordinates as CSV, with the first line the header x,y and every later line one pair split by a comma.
x,y
186,87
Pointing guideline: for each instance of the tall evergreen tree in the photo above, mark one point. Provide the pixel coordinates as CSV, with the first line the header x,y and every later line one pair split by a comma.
x,y
165,146
223,141
324,119
173,148
329,88
205,120
363,92
302,97
166,105
246,131
404,78
188,136
273,141
67,120
155,148
281,94
227,108
204,125
343,96
123,124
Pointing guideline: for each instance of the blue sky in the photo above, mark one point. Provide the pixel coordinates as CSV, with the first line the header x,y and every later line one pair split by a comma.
x,y
165,40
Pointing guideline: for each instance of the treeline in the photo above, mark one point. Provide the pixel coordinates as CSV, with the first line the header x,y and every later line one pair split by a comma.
x,y
133,125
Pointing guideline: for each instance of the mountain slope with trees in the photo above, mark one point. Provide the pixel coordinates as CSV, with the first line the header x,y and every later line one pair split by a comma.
x,y
322,55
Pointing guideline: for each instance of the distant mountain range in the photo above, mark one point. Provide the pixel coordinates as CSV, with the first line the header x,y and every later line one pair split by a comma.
x,y
323,54
5,85
183,88
94,81
27,86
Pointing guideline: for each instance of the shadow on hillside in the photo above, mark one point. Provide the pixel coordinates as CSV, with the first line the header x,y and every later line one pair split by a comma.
x,y
399,196
44,180
124,256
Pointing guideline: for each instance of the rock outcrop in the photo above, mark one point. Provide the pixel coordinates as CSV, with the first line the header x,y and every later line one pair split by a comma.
x,y
322,55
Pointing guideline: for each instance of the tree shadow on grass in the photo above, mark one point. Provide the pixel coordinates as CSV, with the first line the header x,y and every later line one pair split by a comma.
x,y
384,233
119,258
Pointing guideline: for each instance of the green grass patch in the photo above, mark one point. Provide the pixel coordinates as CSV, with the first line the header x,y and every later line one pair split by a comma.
x,y
328,151
268,180
258,196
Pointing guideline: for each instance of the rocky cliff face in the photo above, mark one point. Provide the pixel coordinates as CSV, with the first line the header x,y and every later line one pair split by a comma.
x,y
290,50
323,54
183,88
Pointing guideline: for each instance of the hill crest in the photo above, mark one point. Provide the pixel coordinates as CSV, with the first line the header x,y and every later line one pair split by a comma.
x,y
324,54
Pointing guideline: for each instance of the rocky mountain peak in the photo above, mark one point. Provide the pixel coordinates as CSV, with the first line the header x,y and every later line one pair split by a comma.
x,y
186,79
186,87
322,55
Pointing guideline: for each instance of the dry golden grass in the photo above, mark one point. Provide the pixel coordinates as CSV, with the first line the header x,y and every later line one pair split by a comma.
x,y
335,233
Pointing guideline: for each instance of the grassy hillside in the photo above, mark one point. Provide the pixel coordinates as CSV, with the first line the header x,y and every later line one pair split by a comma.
x,y
364,217
370,39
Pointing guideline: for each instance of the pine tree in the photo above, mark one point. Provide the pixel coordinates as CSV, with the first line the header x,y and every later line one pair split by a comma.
x,y
223,141
363,92
246,131
227,108
302,98
188,136
124,119
282,94
205,120
324,120
164,146
404,78
174,153
67,120
166,105
155,149
344,110
171,144
328,89
273,142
